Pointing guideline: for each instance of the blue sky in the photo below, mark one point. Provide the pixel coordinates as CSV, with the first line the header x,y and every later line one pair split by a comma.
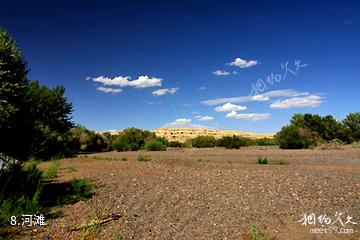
x,y
149,64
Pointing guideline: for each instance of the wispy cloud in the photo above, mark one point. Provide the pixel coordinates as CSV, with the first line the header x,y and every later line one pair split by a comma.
x,y
204,118
202,88
221,73
347,22
297,102
228,107
248,116
260,97
183,123
241,63
140,82
163,91
109,90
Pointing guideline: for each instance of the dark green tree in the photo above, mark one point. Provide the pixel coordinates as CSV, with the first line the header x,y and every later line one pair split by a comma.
x,y
50,115
203,142
132,139
34,119
352,126
294,137
14,123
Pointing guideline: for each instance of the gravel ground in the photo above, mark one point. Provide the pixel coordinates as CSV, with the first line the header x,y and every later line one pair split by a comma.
x,y
211,194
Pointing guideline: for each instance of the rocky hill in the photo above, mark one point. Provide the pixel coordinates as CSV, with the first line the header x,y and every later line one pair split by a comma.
x,y
183,134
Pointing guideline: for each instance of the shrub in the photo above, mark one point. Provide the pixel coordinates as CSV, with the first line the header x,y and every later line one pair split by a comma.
x,y
293,137
356,144
133,139
230,142
264,142
90,141
21,193
254,234
121,145
262,160
335,144
80,189
203,142
141,158
175,144
155,145
245,142
52,171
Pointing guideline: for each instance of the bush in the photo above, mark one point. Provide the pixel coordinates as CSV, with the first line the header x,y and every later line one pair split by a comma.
x,y
155,145
81,190
52,171
245,142
21,188
230,142
203,142
133,139
175,144
264,142
262,160
356,144
141,158
293,137
335,144
90,141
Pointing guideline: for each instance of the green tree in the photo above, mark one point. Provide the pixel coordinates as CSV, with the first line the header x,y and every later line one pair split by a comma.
x,y
132,139
328,128
50,114
294,137
352,126
14,125
90,141
34,119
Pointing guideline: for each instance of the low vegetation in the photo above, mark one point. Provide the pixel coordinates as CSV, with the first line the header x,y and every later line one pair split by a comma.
x,y
155,144
203,142
255,234
262,161
142,158
52,171
80,190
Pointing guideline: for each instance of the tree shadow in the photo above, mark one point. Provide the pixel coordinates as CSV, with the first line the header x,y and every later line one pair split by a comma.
x,y
61,193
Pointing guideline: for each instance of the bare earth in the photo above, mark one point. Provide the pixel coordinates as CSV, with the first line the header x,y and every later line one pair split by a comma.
x,y
178,196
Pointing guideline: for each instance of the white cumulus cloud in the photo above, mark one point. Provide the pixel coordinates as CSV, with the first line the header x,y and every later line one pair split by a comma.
x,y
109,90
163,91
297,102
241,63
145,81
228,107
204,118
248,116
221,73
140,82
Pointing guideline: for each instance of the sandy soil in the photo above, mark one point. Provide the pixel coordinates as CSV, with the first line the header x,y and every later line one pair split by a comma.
x,y
210,194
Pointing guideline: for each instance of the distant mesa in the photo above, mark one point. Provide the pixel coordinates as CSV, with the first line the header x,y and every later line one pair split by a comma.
x,y
184,134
